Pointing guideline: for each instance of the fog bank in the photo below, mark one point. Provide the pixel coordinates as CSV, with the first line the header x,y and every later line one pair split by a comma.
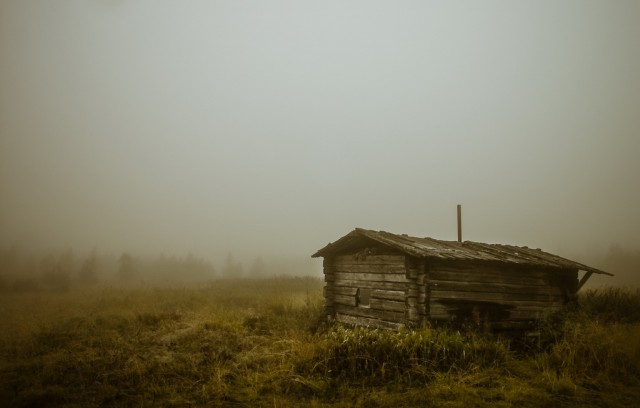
x,y
271,128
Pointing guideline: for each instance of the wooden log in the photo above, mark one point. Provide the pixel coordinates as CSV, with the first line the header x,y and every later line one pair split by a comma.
x,y
473,274
369,260
398,286
370,277
412,274
398,269
584,280
522,271
344,300
497,278
390,315
482,266
383,304
494,287
496,296
388,300
344,290
396,295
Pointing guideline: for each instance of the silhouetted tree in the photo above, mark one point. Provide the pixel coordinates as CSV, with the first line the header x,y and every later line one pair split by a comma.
x,y
624,263
232,269
10,260
258,268
55,271
126,268
88,270
198,269
67,262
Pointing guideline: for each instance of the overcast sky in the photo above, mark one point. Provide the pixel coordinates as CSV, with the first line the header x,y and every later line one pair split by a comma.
x,y
274,127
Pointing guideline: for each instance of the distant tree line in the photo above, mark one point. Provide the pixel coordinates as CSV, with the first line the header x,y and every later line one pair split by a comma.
x,y
22,270
624,263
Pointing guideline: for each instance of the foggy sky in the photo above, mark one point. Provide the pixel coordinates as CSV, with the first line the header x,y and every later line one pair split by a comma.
x,y
274,127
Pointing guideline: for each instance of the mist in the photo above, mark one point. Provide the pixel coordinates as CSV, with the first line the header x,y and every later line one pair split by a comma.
x,y
268,129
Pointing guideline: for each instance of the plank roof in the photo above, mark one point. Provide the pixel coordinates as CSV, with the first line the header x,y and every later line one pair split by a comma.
x,y
467,251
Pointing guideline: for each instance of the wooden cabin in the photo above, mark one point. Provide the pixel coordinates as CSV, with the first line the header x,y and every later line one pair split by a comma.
x,y
380,279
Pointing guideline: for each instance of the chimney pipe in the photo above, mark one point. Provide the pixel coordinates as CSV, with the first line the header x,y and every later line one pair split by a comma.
x,y
459,223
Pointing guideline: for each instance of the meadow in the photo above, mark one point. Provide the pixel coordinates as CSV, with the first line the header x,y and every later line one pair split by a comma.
x,y
265,342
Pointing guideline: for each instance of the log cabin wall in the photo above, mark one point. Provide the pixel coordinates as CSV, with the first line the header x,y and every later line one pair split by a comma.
x,y
328,286
498,297
368,290
416,293
376,278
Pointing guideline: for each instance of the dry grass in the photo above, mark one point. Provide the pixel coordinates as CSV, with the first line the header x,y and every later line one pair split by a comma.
x,y
263,343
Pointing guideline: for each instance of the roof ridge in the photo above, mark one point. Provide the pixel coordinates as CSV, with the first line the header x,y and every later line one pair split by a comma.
x,y
445,250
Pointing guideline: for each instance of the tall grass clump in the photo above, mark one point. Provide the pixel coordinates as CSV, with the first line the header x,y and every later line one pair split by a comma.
x,y
594,342
374,356
593,353
607,305
611,304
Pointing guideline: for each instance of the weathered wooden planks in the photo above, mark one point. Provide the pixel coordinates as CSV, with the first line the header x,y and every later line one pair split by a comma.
x,y
344,290
494,287
389,315
383,274
379,298
396,295
471,272
410,291
369,277
416,291
392,269
495,296
490,276
500,296
344,300
396,286
384,304
374,260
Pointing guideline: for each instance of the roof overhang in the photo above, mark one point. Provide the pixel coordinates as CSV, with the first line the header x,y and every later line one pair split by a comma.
x,y
468,251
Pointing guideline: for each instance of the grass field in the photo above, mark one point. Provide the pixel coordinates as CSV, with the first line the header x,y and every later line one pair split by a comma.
x,y
263,342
